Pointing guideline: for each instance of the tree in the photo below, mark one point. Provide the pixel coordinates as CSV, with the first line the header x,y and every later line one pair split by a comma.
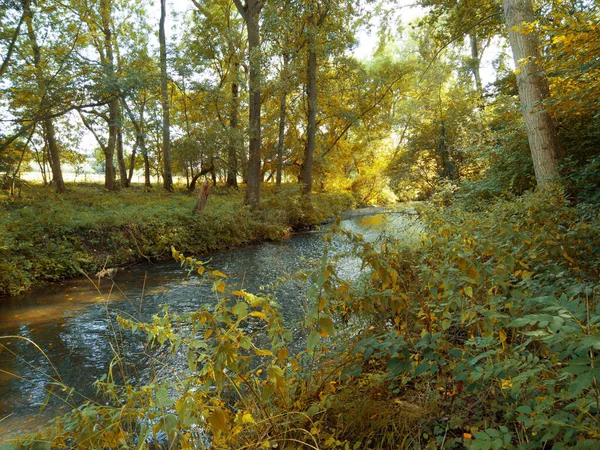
x,y
250,12
533,90
47,124
218,38
282,115
166,125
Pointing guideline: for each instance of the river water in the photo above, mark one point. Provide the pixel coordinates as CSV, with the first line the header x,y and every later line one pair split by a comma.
x,y
71,323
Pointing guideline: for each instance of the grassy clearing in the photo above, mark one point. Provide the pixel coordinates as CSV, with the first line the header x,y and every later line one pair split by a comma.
x,y
47,237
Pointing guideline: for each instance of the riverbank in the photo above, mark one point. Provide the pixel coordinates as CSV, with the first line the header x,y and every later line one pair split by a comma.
x,y
47,237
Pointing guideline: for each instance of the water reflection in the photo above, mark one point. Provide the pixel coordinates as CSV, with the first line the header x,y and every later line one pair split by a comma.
x,y
73,322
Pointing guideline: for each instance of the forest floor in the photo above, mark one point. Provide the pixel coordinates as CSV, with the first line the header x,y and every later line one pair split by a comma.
x,y
46,236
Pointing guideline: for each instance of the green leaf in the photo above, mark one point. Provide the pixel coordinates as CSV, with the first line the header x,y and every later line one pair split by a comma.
x,y
497,444
312,341
421,368
240,309
524,409
162,398
482,435
192,360
492,432
267,392
8,447
582,382
245,342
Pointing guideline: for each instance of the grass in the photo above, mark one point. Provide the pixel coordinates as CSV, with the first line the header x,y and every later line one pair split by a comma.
x,y
45,236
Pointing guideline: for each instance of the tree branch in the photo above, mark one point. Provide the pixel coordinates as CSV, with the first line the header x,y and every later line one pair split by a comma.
x,y
13,41
364,113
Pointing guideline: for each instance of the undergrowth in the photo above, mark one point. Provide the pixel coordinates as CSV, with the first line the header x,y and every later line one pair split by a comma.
x,y
484,336
45,236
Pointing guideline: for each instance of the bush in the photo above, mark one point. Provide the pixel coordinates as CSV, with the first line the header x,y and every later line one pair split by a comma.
x,y
485,336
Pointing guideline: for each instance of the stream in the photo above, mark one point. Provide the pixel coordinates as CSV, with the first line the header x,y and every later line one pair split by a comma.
x,y
70,322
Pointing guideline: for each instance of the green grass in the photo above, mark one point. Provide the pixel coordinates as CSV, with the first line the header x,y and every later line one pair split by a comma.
x,y
45,236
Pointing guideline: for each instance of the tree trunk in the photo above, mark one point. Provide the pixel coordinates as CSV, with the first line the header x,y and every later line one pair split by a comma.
x,y
147,180
48,124
109,150
124,179
204,171
253,187
232,163
533,90
54,155
447,168
203,197
140,141
282,113
132,163
166,125
15,36
113,107
251,13
475,61
311,92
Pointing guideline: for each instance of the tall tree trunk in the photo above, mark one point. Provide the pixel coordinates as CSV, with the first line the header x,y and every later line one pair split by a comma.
x,y
251,13
253,187
132,163
447,168
109,149
54,155
123,178
48,124
232,163
147,180
282,113
475,61
113,106
311,92
533,90
140,141
166,125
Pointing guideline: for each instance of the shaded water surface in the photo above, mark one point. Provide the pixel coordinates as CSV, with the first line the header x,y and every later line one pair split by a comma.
x,y
72,323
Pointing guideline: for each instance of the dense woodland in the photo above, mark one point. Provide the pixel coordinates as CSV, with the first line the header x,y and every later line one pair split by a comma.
x,y
246,120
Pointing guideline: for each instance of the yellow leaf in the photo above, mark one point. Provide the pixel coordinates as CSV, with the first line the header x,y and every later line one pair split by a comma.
x,y
502,336
260,352
218,419
200,270
469,291
467,435
258,314
282,354
218,273
473,272
221,287
208,334
247,418
239,293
